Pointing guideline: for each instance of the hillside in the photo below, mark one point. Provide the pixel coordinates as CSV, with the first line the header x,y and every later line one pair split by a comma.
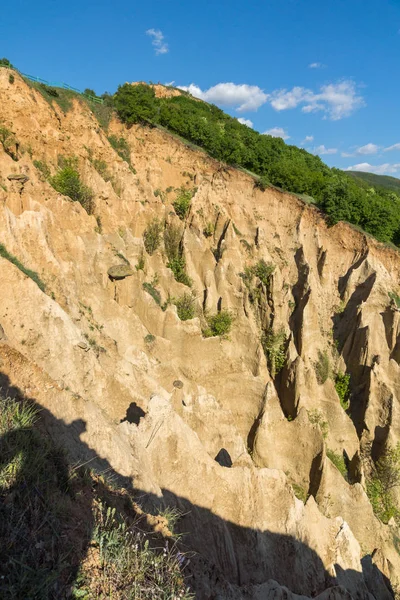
x,y
377,181
212,344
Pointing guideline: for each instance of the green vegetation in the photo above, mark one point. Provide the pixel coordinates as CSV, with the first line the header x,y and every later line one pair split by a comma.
x,y
174,250
185,307
68,182
219,324
384,182
315,417
140,263
322,367
182,202
121,147
66,532
4,62
300,492
380,486
28,272
8,141
341,196
150,338
151,288
11,78
208,230
395,297
152,236
64,98
43,167
342,386
274,346
338,460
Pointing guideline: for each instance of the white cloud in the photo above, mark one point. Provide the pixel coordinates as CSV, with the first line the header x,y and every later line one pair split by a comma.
x,y
394,147
367,149
245,122
384,169
316,65
244,97
160,46
169,83
346,154
277,132
323,150
307,139
336,100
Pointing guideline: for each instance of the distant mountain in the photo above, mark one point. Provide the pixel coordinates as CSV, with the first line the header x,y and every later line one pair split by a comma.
x,y
380,181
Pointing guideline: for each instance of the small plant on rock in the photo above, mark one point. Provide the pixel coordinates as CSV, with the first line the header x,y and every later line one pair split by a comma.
x,y
322,367
342,386
338,460
68,182
219,324
274,344
316,417
185,307
152,236
182,203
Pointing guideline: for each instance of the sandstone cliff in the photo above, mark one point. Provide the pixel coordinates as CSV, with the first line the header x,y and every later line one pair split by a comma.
x,y
210,425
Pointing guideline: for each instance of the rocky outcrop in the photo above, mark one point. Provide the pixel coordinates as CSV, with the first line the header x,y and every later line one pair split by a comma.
x,y
204,423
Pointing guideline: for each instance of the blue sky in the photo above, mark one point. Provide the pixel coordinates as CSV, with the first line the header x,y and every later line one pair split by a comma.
x,y
322,72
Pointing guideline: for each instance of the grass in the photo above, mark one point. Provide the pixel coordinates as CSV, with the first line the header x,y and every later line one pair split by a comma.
x,y
185,307
315,417
274,346
322,367
152,236
8,141
338,460
121,147
66,532
28,272
67,182
64,98
219,324
342,386
395,298
182,202
300,492
43,168
174,249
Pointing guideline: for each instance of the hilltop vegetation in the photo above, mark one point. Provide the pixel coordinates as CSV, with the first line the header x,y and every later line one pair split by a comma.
x,y
384,182
341,197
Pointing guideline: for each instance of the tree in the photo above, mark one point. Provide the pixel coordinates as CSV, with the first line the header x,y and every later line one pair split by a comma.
x,y
136,103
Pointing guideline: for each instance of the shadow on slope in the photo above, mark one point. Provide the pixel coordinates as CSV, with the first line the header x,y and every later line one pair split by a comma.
x,y
47,527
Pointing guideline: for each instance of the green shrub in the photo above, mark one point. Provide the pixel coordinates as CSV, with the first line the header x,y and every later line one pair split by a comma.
x,y
395,298
185,307
90,92
150,338
315,417
338,460
274,346
152,236
4,62
208,230
140,263
380,485
121,146
263,271
68,183
322,367
135,103
8,142
178,267
219,324
176,260
51,91
43,167
182,203
300,492
342,386
28,272
262,183
11,78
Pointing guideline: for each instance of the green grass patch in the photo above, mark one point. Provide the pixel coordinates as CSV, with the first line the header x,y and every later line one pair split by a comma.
x,y
338,460
185,307
274,346
68,183
152,236
219,324
28,272
342,386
